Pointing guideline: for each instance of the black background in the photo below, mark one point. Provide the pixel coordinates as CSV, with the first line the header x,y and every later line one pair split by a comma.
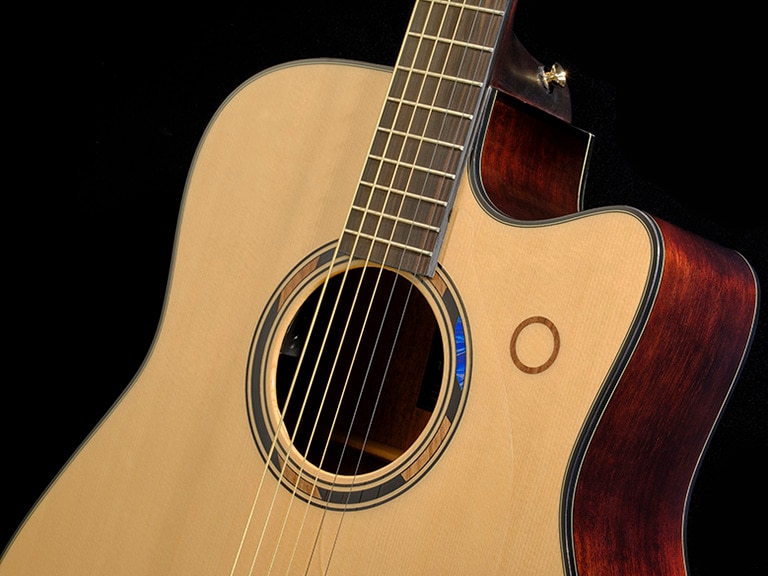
x,y
103,115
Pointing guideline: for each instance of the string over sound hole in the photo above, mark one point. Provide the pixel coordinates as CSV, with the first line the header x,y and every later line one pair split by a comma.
x,y
371,371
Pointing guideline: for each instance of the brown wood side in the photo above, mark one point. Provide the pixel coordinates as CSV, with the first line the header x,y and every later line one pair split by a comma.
x,y
532,164
630,500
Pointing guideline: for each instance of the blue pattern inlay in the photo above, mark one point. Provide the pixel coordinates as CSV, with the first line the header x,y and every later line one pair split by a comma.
x,y
461,353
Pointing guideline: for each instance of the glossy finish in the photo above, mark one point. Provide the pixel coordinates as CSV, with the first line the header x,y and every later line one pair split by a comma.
x,y
532,165
633,485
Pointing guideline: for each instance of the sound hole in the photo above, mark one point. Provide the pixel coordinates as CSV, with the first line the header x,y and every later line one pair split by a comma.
x,y
371,372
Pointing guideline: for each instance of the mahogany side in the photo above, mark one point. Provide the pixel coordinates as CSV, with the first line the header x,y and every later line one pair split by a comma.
x,y
532,164
629,506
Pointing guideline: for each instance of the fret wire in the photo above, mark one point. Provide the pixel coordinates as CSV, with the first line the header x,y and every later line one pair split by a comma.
x,y
391,243
397,219
405,193
444,77
469,45
402,164
431,108
459,147
483,9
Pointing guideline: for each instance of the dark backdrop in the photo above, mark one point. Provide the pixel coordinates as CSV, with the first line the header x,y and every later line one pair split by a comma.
x,y
105,111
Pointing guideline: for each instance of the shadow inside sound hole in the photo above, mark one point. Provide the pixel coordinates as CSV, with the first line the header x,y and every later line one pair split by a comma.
x,y
370,375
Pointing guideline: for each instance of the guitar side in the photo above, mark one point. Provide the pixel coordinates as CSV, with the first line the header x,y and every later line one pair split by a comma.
x,y
635,479
164,484
634,482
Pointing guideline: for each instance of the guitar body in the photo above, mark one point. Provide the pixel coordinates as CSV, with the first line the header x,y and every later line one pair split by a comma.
x,y
597,366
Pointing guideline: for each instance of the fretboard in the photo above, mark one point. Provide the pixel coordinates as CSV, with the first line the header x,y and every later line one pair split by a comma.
x,y
409,181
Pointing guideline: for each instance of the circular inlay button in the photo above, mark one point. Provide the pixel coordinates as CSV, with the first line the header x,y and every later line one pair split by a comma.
x,y
535,344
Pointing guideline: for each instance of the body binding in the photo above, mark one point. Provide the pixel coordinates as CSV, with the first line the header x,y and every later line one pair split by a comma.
x,y
629,505
164,484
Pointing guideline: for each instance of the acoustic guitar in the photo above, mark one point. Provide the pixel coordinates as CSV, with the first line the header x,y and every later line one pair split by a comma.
x,y
394,342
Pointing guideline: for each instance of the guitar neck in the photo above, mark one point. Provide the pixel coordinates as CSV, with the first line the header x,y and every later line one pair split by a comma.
x,y
409,180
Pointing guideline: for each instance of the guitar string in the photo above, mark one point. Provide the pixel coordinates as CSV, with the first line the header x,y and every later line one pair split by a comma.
x,y
365,440
311,383
289,396
488,32
275,440
304,404
281,423
389,297
304,457
410,288
365,267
